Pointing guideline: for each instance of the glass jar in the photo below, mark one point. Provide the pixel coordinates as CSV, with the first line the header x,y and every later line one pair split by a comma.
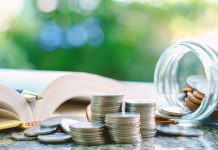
x,y
179,61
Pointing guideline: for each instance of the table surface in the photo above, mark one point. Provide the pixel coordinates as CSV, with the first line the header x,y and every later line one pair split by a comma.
x,y
159,142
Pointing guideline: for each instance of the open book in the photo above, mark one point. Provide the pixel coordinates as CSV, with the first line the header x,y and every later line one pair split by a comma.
x,y
64,93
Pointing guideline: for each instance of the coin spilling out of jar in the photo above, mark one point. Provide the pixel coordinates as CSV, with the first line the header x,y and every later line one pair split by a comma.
x,y
191,97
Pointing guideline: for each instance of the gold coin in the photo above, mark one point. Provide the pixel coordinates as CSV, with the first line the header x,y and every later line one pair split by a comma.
x,y
198,95
188,89
195,100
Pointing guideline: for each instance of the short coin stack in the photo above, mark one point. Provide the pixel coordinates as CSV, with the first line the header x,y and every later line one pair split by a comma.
x,y
123,128
102,104
147,116
88,133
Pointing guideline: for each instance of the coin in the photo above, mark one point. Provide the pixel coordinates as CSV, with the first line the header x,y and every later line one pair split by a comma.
x,y
202,87
54,138
194,80
189,123
21,137
123,128
123,116
198,95
87,126
37,130
159,114
88,133
178,130
56,121
191,104
102,104
182,96
140,103
173,111
65,124
194,99
187,89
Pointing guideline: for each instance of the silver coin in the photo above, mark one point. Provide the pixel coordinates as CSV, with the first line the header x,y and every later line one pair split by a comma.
x,y
22,137
140,103
87,126
159,114
108,94
189,123
182,96
127,115
193,80
56,121
65,124
37,130
173,111
202,87
54,138
178,130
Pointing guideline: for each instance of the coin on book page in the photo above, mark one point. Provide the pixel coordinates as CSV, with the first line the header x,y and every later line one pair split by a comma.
x,y
37,130
194,80
173,111
65,124
21,137
54,138
178,130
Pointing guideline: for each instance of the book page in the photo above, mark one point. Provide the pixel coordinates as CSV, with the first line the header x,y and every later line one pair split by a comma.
x,y
32,80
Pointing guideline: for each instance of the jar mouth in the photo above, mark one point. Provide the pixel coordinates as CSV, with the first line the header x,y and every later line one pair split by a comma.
x,y
166,82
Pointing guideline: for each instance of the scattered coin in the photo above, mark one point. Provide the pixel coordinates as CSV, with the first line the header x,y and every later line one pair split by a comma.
x,y
160,115
173,111
54,138
21,137
189,123
65,124
37,130
178,130
56,121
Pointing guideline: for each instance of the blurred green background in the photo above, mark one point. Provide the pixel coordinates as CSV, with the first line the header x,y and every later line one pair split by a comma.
x,y
121,39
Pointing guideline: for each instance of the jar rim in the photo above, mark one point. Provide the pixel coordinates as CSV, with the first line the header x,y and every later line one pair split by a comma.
x,y
167,65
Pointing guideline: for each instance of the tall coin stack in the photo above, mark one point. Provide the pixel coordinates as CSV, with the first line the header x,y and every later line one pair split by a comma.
x,y
147,115
88,133
102,104
123,128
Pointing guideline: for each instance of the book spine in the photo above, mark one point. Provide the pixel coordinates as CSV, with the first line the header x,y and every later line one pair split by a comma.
x,y
29,124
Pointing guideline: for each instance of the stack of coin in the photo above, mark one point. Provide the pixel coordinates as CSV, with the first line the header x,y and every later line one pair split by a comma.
x,y
123,128
88,133
147,116
102,104
194,92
